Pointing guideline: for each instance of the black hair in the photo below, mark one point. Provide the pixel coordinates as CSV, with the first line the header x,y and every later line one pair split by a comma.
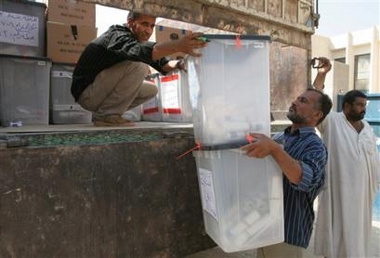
x,y
133,15
324,104
350,97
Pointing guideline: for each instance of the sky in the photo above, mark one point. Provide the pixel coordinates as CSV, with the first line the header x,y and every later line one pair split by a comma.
x,y
107,16
336,16
340,16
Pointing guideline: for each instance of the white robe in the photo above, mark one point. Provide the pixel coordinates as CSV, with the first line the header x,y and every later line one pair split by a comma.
x,y
344,219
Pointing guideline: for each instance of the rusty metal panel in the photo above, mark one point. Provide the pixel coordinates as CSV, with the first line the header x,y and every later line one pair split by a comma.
x,y
280,19
305,11
131,198
256,5
288,76
291,11
275,8
237,3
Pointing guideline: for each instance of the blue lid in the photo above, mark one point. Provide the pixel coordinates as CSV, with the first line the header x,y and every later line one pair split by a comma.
x,y
232,145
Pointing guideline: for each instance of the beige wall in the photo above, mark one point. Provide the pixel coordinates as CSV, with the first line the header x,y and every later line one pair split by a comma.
x,y
348,46
338,81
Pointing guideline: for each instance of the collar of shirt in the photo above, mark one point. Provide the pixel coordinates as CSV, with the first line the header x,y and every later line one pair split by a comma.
x,y
300,131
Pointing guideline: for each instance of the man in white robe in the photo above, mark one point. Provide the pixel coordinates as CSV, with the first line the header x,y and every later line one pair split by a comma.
x,y
344,219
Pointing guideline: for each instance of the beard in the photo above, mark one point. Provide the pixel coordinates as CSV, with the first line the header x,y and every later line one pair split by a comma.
x,y
355,116
295,118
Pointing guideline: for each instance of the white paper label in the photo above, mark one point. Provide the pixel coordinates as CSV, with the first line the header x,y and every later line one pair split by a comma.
x,y
169,93
207,190
18,29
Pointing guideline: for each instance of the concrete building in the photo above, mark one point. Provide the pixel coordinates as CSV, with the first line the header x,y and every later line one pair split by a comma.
x,y
356,58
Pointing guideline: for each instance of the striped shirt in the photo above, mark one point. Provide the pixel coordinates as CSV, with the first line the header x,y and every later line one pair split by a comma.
x,y
115,45
305,146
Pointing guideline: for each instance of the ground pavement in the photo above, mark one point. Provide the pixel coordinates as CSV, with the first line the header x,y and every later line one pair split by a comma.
x,y
218,252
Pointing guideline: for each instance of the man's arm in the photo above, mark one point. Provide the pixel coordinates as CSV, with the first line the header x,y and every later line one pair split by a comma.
x,y
264,146
187,44
319,84
325,67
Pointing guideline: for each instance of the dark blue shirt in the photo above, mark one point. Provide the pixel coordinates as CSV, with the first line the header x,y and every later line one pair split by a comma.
x,y
305,146
115,45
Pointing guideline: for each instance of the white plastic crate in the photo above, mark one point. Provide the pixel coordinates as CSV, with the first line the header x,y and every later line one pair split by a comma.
x,y
63,108
24,90
229,89
23,28
242,199
174,92
152,109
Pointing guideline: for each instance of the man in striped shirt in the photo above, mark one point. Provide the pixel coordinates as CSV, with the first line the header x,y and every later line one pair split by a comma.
x,y
109,76
302,156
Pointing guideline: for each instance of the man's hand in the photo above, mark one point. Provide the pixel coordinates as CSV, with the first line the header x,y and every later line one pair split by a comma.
x,y
180,65
324,65
261,146
189,44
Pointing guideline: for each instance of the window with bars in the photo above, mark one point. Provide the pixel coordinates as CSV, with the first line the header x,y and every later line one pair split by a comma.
x,y
362,67
341,60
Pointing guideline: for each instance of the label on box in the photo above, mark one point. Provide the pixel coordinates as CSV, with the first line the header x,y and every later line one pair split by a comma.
x,y
169,94
258,45
208,193
19,29
65,43
151,106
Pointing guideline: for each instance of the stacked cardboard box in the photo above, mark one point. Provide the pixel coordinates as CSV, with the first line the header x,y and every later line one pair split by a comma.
x,y
70,27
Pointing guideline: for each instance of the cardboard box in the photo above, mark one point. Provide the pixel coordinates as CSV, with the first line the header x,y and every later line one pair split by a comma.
x,y
164,34
71,12
65,43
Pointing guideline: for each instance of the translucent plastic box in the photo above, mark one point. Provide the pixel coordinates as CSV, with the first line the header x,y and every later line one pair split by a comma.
x,y
23,28
229,89
63,108
24,90
152,109
242,199
174,92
